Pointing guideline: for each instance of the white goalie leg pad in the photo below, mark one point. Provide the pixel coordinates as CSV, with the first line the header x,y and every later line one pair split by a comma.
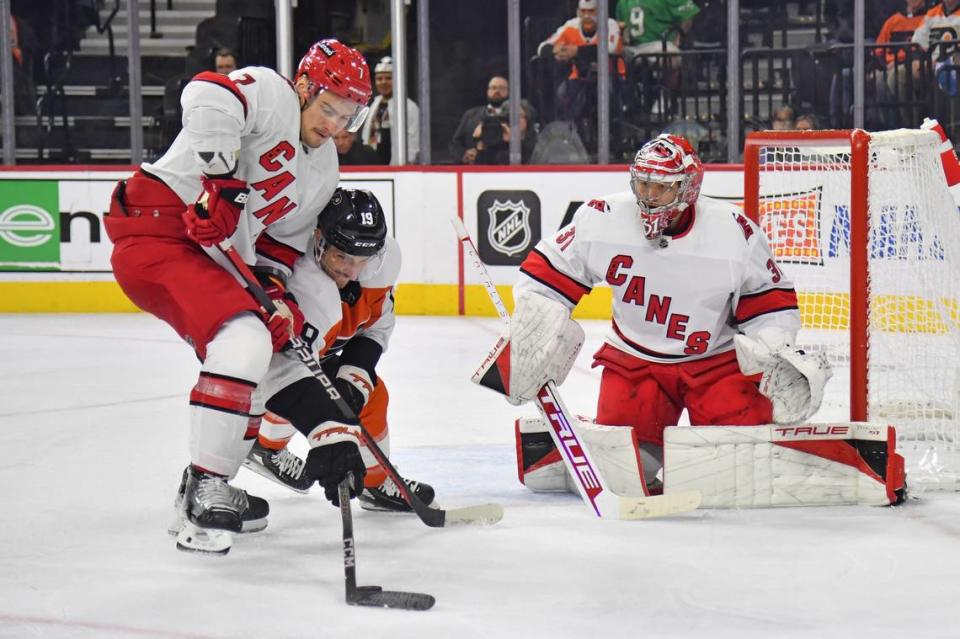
x,y
768,466
544,343
613,448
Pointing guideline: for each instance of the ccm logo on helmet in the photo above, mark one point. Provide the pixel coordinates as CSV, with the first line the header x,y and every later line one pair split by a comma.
x,y
323,46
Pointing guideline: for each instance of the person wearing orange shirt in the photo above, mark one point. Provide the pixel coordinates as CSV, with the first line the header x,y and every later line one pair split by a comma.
x,y
566,46
343,286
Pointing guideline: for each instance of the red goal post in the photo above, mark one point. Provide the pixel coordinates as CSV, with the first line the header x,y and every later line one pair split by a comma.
x,y
865,226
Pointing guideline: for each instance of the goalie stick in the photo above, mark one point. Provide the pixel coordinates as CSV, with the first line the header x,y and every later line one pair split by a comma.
x,y
576,457
433,517
370,595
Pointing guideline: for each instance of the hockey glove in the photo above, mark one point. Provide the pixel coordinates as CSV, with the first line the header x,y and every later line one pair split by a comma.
x,y
354,385
287,322
336,457
214,216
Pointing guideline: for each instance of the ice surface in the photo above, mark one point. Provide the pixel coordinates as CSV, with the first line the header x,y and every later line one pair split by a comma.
x,y
93,422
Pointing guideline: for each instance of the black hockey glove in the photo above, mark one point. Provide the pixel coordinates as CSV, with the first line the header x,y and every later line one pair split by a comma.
x,y
351,394
330,464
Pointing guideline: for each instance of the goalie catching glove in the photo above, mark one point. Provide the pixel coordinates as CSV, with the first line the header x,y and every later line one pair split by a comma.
x,y
793,380
540,345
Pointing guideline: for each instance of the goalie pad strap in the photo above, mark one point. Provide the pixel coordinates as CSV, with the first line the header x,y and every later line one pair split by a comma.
x,y
803,465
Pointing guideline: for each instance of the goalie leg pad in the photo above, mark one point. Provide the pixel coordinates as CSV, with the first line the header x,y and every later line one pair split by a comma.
x,y
805,465
613,448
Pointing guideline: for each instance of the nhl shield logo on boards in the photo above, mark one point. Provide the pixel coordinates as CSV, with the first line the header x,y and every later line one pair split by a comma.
x,y
509,226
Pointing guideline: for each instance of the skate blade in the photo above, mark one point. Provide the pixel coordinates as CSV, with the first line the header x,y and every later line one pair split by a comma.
x,y
263,472
251,526
205,541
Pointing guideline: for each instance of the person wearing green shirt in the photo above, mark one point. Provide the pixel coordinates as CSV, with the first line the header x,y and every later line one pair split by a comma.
x,y
644,22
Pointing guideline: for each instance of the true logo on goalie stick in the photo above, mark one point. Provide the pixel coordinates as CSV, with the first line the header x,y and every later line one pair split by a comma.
x,y
509,226
572,448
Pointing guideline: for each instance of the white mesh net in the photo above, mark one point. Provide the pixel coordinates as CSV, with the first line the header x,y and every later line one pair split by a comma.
x,y
914,284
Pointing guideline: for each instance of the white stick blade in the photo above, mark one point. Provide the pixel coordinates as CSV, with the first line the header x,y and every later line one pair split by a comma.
x,y
658,505
482,514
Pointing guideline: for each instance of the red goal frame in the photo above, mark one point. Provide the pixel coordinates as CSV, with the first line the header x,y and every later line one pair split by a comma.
x,y
858,141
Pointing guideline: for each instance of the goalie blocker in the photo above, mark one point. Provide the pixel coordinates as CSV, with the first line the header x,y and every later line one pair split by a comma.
x,y
732,466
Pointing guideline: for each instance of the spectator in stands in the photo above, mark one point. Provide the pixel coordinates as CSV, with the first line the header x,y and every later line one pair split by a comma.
x,y
783,119
225,61
483,135
349,152
645,24
806,122
377,130
943,15
895,84
573,45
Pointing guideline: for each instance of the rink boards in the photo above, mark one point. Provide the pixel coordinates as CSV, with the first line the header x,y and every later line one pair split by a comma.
x,y
55,255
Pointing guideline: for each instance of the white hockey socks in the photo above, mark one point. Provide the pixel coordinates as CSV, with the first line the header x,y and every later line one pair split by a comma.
x,y
804,465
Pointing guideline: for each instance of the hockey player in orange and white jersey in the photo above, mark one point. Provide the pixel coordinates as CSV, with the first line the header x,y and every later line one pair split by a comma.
x,y
233,173
695,289
344,288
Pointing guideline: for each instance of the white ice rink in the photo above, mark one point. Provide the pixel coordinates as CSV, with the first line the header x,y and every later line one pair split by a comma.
x,y
93,427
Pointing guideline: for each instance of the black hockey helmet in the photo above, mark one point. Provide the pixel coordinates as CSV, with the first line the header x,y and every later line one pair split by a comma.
x,y
353,221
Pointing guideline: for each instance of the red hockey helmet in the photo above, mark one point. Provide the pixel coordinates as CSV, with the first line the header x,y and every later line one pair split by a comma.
x,y
333,66
666,160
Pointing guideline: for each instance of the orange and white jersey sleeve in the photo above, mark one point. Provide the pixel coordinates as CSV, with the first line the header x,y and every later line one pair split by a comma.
x,y
254,112
682,300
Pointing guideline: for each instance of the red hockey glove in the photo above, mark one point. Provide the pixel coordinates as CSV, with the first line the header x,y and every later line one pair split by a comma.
x,y
287,322
213,217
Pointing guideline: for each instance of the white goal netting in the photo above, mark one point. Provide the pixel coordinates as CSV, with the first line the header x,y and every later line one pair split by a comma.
x,y
912,321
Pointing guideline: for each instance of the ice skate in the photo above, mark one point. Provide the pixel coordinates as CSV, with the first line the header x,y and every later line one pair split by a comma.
x,y
280,466
387,497
208,509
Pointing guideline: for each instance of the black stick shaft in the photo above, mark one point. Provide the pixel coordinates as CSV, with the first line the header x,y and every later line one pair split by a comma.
x,y
349,547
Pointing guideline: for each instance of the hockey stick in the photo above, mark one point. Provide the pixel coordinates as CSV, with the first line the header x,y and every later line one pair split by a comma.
x,y
433,517
370,595
576,457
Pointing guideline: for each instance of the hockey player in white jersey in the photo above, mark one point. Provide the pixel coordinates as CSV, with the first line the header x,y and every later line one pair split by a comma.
x,y
232,173
343,286
695,285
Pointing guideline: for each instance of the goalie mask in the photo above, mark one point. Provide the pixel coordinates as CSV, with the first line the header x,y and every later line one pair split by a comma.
x,y
332,66
351,235
665,177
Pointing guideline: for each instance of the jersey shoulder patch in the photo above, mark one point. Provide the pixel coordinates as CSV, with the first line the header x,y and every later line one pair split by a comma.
x,y
745,226
600,205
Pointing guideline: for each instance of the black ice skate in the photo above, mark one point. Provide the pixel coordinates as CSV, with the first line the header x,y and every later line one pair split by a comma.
x,y
215,505
387,497
281,466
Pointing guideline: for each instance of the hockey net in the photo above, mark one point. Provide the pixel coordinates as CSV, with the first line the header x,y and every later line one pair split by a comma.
x,y
865,226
